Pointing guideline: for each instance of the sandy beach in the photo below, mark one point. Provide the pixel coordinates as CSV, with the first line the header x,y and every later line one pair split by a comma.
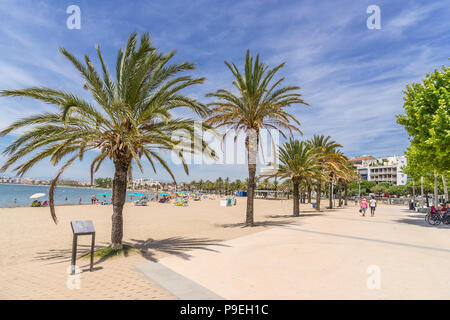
x,y
316,256
36,253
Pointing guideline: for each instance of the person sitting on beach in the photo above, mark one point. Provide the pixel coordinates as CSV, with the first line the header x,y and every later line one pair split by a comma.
x,y
45,203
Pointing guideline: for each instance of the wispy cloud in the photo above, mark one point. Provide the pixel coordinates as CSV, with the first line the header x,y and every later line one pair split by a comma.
x,y
352,77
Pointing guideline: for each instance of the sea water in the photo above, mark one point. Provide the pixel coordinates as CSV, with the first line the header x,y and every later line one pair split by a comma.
x,y
62,195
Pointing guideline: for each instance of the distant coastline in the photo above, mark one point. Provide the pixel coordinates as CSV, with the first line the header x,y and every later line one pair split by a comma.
x,y
47,185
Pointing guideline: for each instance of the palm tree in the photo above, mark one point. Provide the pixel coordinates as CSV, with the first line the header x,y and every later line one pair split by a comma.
x,y
226,183
330,160
259,104
349,174
298,162
131,119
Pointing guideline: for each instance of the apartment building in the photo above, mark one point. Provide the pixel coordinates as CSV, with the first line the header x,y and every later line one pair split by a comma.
x,y
143,182
388,169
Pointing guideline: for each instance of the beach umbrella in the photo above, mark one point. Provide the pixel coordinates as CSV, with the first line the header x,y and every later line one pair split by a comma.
x,y
37,195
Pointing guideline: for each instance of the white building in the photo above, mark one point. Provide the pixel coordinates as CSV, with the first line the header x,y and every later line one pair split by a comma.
x,y
387,169
143,182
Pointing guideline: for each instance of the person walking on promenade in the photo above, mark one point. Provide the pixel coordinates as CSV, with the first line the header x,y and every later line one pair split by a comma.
x,y
373,205
363,205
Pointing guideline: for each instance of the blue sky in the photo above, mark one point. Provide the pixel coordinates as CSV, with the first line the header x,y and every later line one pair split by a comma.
x,y
351,76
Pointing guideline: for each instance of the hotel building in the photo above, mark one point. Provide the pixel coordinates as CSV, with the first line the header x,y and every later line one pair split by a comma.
x,y
387,169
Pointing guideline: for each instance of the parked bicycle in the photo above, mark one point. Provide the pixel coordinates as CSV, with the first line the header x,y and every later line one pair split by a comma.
x,y
434,217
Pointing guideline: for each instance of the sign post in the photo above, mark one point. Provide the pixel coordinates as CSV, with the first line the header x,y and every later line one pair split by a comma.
x,y
82,228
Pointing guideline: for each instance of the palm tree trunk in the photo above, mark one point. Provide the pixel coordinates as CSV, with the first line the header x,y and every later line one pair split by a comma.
x,y
340,195
331,193
252,148
296,198
318,194
345,194
309,194
118,199
250,194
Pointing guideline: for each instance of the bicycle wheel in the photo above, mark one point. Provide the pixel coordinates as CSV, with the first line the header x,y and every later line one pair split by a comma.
x,y
435,220
427,218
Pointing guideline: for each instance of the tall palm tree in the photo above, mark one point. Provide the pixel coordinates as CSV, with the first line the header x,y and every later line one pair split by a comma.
x,y
348,174
337,172
330,160
130,119
259,104
298,162
226,183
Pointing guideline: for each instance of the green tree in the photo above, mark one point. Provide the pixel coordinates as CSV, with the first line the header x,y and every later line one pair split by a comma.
x,y
379,189
104,182
130,119
398,190
260,103
427,121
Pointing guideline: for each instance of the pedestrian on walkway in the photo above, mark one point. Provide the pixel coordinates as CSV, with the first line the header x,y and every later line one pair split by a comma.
x,y
363,205
373,205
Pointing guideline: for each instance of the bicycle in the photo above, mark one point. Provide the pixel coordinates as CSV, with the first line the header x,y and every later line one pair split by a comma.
x,y
430,217
438,218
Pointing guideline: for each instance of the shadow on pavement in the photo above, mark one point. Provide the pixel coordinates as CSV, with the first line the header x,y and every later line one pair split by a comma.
x,y
175,245
266,223
303,214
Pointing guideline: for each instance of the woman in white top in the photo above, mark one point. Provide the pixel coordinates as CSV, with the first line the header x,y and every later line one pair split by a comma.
x,y
373,205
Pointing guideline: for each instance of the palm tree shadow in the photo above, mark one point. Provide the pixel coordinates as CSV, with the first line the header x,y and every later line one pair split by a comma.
x,y
175,246
266,223
303,214
54,256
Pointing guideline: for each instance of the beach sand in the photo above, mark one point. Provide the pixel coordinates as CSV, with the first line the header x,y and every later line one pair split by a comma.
x,y
35,253
319,255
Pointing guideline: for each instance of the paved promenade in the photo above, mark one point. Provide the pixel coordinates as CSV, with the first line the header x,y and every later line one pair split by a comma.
x,y
332,255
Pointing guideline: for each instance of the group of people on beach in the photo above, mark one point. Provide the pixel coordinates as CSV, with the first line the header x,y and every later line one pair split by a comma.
x,y
95,200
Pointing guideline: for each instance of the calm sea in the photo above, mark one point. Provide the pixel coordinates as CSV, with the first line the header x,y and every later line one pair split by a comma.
x,y
22,193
